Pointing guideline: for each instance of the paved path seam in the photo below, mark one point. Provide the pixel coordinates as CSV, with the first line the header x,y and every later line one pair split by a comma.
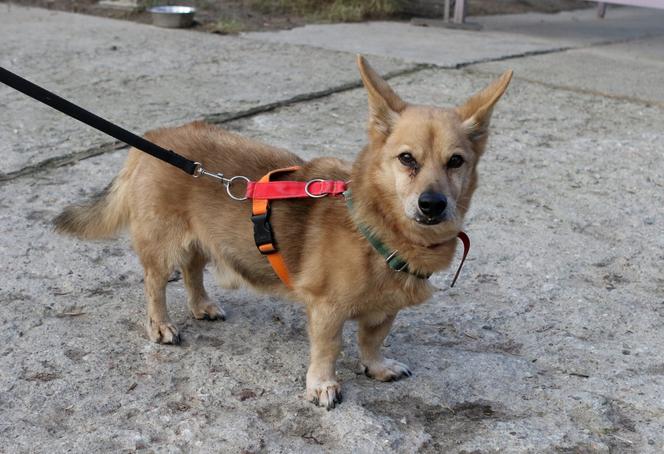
x,y
556,50
215,118
571,89
226,117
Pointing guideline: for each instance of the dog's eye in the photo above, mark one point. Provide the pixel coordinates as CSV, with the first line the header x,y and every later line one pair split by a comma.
x,y
455,162
408,160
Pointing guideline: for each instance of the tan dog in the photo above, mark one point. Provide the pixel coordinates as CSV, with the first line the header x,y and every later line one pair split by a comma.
x,y
411,187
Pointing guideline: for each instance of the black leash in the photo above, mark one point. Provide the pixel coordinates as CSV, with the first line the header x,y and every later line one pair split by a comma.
x,y
90,119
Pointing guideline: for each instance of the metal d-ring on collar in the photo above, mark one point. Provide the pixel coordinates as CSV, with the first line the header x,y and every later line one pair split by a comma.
x,y
227,182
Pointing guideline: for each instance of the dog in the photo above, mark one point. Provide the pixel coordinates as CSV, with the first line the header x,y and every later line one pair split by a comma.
x,y
411,187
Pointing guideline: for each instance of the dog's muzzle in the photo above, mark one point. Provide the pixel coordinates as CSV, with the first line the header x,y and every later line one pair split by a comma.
x,y
432,207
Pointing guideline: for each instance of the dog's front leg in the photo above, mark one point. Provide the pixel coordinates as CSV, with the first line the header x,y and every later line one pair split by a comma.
x,y
371,333
325,327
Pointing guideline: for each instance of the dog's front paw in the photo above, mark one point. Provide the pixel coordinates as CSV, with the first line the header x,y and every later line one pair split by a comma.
x,y
324,393
387,370
207,310
163,332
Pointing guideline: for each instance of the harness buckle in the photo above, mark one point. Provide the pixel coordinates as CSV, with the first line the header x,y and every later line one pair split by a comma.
x,y
263,235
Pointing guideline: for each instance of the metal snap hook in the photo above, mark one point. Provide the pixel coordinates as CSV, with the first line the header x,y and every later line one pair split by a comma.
x,y
229,184
314,196
198,170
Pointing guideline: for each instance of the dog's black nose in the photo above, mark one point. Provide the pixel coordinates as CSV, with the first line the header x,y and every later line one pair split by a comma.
x,y
432,204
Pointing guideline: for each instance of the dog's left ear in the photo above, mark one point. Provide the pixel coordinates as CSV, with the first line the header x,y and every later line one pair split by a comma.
x,y
476,112
384,104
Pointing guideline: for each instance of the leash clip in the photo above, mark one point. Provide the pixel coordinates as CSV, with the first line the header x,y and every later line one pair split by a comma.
x,y
199,170
227,182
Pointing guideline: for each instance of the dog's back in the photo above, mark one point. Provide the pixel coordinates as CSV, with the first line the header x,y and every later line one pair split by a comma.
x,y
172,216
147,185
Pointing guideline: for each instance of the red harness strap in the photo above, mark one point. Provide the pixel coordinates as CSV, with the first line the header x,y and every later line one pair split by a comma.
x,y
263,236
272,190
264,190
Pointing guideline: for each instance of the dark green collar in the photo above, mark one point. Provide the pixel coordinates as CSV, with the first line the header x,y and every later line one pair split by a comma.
x,y
391,256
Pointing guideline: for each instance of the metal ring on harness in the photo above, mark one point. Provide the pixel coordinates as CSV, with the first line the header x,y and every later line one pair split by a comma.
x,y
229,184
314,196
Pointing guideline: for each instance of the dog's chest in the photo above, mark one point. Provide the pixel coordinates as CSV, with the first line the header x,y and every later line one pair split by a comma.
x,y
397,293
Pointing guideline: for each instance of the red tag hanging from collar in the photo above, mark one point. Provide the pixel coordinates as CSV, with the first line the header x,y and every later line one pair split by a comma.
x,y
466,247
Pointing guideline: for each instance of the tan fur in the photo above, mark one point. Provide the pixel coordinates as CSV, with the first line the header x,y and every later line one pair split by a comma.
x,y
177,221
100,217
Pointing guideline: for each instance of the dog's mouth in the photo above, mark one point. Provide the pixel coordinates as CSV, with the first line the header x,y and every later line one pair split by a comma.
x,y
429,220
437,231
430,237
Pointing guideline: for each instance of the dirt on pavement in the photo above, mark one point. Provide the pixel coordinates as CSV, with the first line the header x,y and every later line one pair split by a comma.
x,y
232,16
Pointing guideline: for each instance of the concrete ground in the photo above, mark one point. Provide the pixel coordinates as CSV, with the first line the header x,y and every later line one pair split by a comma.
x,y
550,343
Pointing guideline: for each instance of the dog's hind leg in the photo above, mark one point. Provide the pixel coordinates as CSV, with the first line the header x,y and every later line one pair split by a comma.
x,y
159,326
325,328
157,267
372,332
227,277
202,308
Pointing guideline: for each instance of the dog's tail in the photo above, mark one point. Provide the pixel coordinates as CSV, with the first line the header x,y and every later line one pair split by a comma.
x,y
100,217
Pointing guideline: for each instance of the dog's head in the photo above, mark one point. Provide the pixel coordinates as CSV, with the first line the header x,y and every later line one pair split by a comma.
x,y
425,157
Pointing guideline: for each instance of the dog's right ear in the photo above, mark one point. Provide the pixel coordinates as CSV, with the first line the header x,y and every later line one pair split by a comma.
x,y
476,112
384,104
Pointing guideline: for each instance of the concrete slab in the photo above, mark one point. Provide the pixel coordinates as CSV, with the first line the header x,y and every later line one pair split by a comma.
x,y
551,342
440,46
141,77
632,70
502,36
580,27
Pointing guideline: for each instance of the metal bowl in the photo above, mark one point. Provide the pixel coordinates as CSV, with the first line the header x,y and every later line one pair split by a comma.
x,y
172,16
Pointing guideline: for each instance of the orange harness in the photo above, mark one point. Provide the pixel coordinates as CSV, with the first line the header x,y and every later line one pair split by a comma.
x,y
260,216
